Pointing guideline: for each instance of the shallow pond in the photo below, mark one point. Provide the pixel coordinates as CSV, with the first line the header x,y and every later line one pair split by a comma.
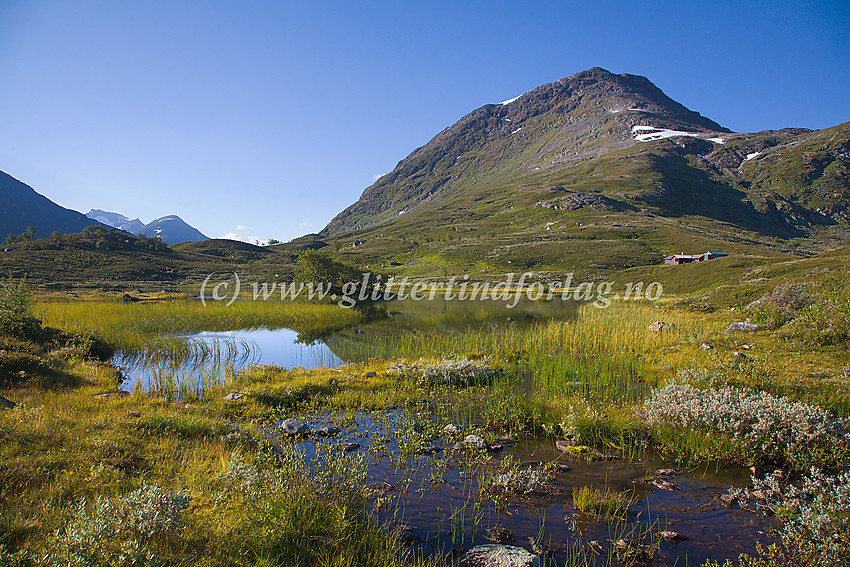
x,y
213,356
437,498
438,502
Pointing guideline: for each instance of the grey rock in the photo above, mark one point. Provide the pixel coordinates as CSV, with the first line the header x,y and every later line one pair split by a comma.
x,y
847,371
475,441
451,429
295,427
4,403
233,396
661,327
349,447
742,327
706,346
496,555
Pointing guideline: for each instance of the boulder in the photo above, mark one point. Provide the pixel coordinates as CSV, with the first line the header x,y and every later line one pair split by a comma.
x,y
475,441
233,396
497,555
295,427
742,327
348,447
706,346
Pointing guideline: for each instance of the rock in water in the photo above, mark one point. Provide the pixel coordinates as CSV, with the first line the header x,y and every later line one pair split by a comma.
x,y
742,326
475,441
295,427
452,429
495,555
329,431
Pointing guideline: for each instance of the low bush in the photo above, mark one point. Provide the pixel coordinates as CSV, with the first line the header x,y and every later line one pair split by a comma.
x,y
767,428
814,520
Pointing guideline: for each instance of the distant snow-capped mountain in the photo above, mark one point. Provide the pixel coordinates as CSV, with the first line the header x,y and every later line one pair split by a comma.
x,y
171,228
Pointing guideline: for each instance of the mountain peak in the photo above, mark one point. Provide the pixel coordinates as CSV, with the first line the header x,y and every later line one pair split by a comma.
x,y
543,131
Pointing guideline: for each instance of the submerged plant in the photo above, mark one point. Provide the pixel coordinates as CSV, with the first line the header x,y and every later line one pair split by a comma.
x,y
515,480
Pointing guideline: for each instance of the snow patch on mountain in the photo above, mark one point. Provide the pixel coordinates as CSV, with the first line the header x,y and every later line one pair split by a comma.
x,y
651,133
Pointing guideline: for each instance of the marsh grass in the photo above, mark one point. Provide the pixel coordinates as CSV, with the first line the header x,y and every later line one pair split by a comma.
x,y
140,327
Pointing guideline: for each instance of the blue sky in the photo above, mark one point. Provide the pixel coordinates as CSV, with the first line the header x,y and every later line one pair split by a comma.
x,y
274,116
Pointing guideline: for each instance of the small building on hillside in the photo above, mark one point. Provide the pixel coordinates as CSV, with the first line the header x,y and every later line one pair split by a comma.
x,y
678,259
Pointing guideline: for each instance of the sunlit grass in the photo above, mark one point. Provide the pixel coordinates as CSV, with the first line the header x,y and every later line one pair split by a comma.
x,y
139,327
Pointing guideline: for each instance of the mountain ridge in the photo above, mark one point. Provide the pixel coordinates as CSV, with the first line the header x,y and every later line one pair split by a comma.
x,y
23,206
171,228
598,150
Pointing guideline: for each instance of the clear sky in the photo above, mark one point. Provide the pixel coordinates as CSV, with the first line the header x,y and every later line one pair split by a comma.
x,y
265,119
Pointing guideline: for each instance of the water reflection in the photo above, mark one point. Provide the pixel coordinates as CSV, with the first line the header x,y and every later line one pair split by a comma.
x,y
188,364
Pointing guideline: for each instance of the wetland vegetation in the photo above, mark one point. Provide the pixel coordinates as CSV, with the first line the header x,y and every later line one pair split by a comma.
x,y
433,437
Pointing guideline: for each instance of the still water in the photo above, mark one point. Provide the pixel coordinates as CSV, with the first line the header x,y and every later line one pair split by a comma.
x,y
220,354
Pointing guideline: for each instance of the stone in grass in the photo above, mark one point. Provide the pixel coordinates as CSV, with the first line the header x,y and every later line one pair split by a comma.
x,y
118,394
661,327
742,326
847,371
349,447
295,427
706,346
4,403
583,452
328,431
233,396
496,555
475,441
